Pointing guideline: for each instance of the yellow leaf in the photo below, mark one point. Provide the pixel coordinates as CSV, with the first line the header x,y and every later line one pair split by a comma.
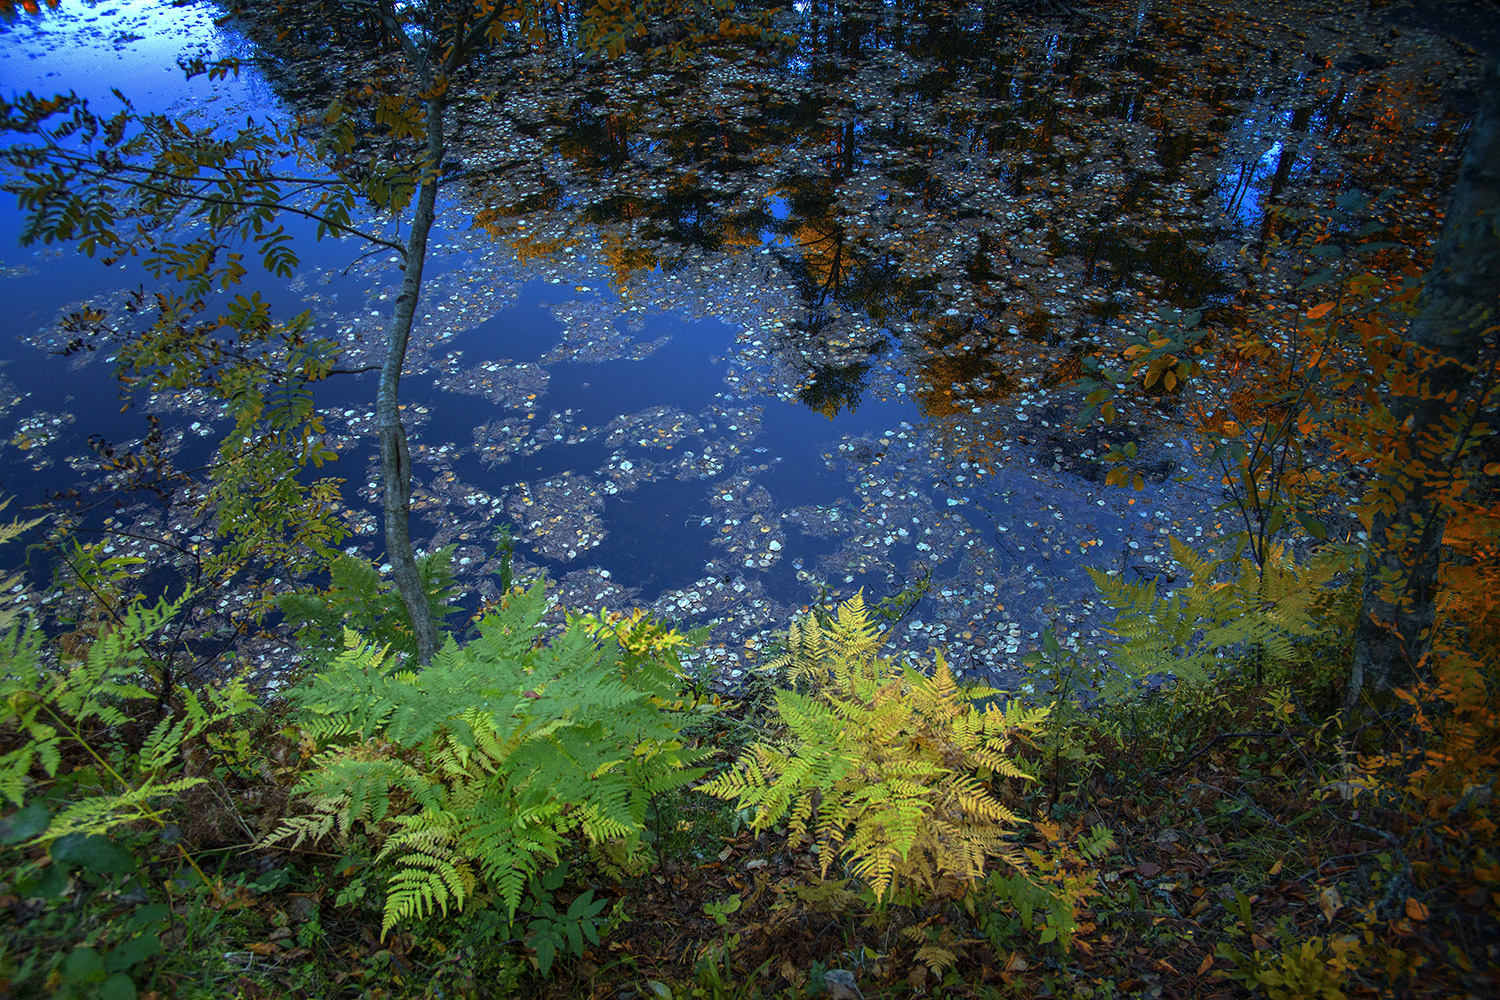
x,y
1329,901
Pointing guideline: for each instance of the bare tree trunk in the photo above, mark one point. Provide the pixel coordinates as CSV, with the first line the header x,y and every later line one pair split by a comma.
x,y
395,461
1458,305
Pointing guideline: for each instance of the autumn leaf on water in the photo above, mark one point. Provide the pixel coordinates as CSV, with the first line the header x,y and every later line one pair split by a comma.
x,y
1319,311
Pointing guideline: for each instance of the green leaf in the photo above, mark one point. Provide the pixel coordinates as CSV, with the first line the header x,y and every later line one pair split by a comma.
x,y
50,885
546,951
133,952
83,966
1312,526
94,852
24,824
117,987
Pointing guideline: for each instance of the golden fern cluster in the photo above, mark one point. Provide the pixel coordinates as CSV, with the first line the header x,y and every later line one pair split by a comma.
x,y
893,770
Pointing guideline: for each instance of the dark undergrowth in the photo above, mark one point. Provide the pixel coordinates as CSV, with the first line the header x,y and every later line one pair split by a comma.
x,y
1214,840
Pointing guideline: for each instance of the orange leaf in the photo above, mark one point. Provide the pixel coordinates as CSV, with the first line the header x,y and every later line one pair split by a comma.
x,y
1205,965
1415,910
1319,311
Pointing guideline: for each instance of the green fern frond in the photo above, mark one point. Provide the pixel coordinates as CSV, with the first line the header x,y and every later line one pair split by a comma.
x,y
493,758
424,885
1224,612
99,814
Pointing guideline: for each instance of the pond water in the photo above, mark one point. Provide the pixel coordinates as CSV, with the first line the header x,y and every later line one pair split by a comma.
x,y
722,339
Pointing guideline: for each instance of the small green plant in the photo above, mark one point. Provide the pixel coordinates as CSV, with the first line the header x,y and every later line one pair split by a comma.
x,y
488,762
1048,894
65,944
1065,734
505,550
1312,969
550,933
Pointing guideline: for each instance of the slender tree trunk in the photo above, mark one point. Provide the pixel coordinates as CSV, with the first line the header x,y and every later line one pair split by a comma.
x,y
1456,311
395,461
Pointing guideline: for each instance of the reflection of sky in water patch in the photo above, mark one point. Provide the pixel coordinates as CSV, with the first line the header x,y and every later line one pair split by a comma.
x,y
91,46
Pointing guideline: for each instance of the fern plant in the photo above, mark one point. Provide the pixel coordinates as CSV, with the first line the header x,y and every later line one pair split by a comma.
x,y
71,705
12,585
888,768
358,598
1261,610
475,773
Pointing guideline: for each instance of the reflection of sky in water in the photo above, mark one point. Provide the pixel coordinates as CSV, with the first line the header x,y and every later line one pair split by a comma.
x,y
631,396
90,46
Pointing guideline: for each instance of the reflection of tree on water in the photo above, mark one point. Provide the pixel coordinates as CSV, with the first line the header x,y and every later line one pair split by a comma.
x,y
830,390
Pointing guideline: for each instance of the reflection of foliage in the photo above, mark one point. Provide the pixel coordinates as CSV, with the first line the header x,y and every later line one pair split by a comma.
x,y
831,390
963,368
12,585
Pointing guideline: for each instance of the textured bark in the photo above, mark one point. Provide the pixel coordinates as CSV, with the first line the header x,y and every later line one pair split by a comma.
x,y
1456,312
395,461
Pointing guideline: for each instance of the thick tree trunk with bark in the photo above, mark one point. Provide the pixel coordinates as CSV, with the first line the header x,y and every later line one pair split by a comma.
x,y
395,460
1457,311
